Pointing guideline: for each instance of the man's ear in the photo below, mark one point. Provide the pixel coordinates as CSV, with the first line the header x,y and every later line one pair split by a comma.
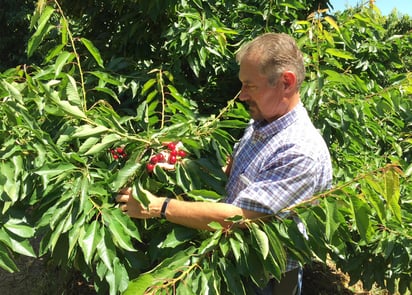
x,y
289,81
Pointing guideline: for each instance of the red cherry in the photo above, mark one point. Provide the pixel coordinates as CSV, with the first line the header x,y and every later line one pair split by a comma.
x,y
172,159
154,159
120,150
115,157
160,157
173,153
150,167
171,146
181,153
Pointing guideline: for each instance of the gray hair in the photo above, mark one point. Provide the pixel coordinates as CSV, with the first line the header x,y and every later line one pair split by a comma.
x,y
277,52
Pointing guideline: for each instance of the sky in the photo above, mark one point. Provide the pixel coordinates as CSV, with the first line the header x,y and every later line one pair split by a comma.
x,y
385,6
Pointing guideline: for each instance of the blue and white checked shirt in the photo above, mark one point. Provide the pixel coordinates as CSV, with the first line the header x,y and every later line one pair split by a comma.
x,y
279,164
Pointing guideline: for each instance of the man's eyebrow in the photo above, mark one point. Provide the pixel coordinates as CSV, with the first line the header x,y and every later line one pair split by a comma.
x,y
245,81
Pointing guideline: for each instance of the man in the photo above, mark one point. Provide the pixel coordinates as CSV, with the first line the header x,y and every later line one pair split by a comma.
x,y
280,161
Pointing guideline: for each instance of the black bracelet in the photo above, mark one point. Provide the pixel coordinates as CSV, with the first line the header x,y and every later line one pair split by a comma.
x,y
164,207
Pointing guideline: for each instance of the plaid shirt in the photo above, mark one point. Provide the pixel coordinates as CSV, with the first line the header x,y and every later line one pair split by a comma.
x,y
279,164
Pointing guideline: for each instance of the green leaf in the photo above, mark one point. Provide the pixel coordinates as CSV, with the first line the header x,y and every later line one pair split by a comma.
x,y
236,248
88,144
275,245
140,194
106,142
21,246
178,236
340,53
106,78
88,130
182,179
118,278
179,98
230,275
89,241
129,227
361,213
261,239
139,285
9,186
13,91
125,175
224,247
64,31
106,248
392,194
332,22
120,237
5,261
61,61
53,52
42,29
93,51
75,233
202,195
210,243
333,219
19,229
54,169
72,92
215,225
109,92
232,124
148,85
71,109
374,198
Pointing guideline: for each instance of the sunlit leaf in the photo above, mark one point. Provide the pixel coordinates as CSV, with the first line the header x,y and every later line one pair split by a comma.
x,y
340,53
43,27
61,61
93,51
362,218
392,194
261,239
125,174
90,240
88,131
139,285
105,143
19,229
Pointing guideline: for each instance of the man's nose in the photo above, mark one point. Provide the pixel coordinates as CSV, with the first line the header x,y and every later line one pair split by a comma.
x,y
243,95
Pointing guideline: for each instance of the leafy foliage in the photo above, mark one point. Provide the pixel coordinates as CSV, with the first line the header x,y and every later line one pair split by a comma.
x,y
61,119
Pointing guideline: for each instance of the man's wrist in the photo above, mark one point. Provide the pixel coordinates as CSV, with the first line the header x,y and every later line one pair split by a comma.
x,y
155,207
164,208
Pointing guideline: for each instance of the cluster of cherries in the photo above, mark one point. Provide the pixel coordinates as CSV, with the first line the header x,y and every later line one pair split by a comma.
x,y
118,153
167,158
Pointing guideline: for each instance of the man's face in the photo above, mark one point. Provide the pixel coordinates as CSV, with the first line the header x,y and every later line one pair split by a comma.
x,y
265,101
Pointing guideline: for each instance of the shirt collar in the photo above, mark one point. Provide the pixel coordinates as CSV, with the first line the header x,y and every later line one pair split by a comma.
x,y
262,129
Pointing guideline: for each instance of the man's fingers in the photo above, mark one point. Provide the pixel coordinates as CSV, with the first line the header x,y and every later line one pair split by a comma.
x,y
123,194
121,198
123,207
126,190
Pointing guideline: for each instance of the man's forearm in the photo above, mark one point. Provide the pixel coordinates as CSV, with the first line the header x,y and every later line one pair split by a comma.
x,y
199,214
191,214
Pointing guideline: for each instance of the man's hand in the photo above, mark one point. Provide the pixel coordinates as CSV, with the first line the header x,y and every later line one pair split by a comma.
x,y
135,209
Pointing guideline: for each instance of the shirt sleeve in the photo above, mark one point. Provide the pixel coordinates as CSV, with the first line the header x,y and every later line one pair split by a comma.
x,y
282,182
